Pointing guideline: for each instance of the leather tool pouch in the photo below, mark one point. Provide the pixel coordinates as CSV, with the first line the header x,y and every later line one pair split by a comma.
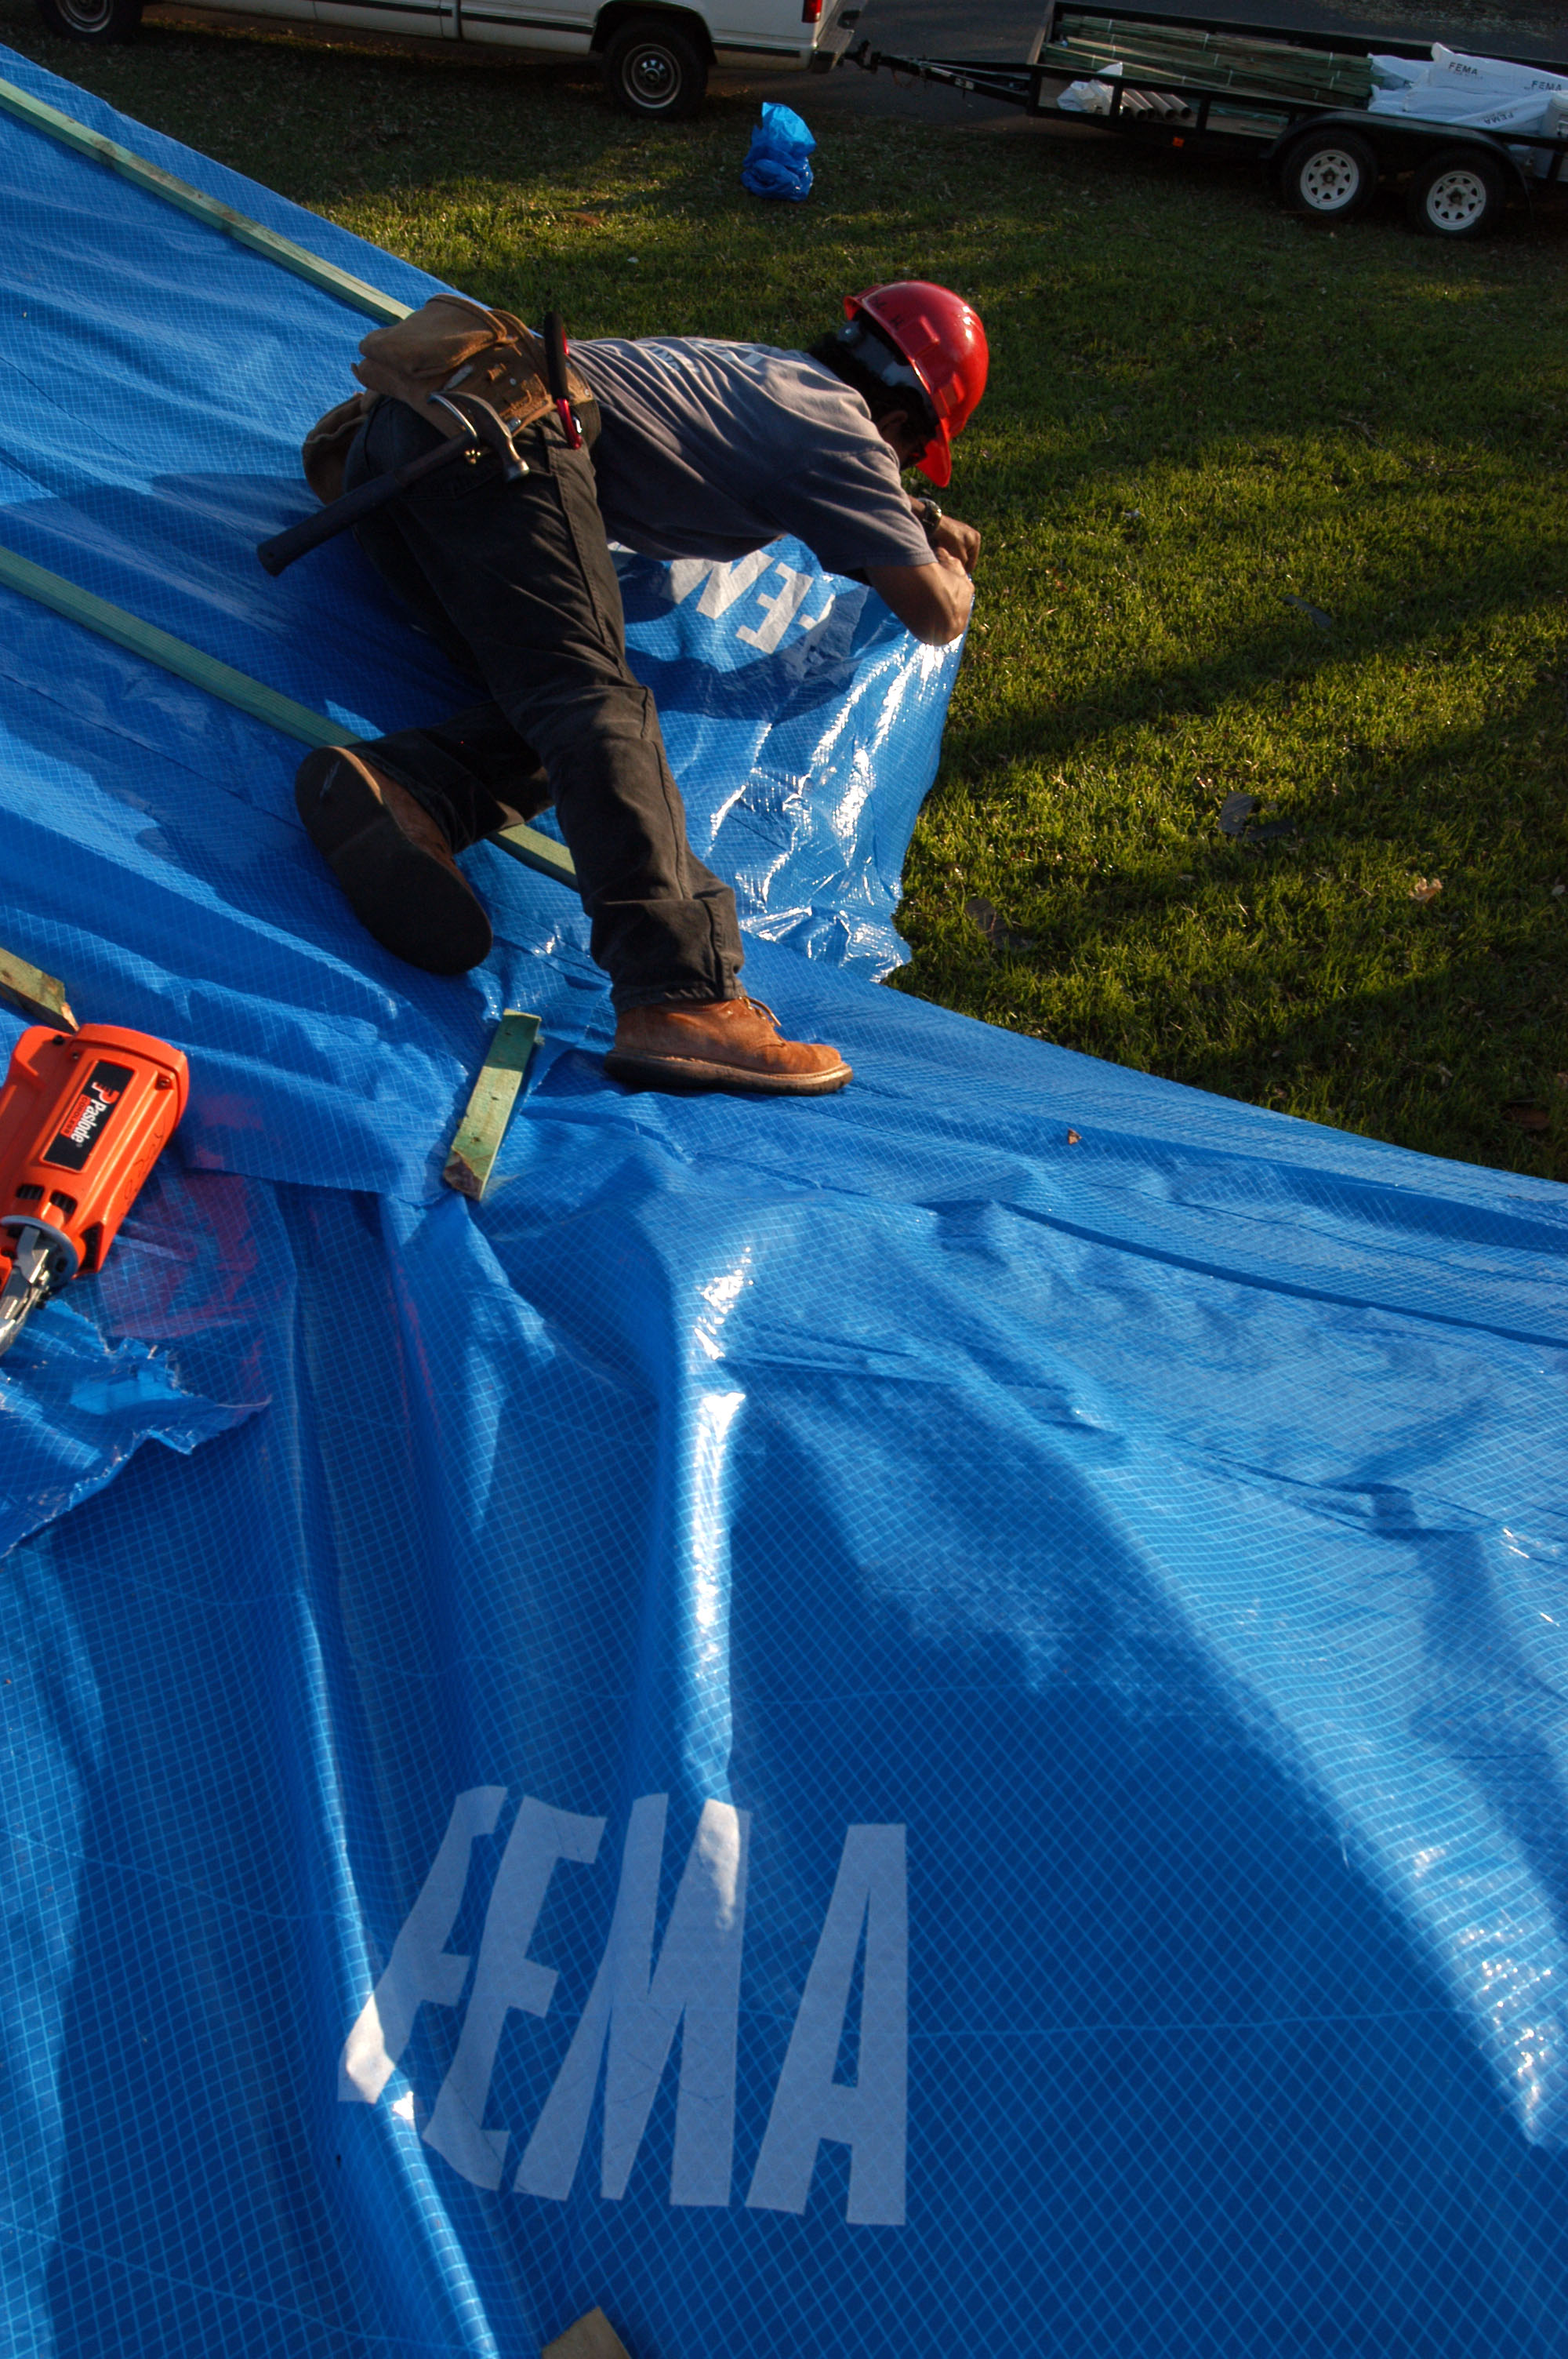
x,y
449,345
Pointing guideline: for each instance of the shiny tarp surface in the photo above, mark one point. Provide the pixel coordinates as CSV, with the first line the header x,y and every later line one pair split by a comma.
x,y
859,1726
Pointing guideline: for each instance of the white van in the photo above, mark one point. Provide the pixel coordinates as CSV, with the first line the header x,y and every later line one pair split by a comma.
x,y
654,54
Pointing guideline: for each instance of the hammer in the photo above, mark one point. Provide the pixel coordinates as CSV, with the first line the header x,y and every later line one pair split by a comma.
x,y
482,426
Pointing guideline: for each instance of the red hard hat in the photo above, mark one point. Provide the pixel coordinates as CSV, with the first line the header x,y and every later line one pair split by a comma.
x,y
944,344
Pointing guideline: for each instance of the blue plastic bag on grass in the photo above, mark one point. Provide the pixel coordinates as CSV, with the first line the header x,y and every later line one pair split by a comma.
x,y
778,161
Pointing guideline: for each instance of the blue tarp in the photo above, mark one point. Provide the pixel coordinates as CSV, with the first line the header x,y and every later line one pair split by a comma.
x,y
839,1726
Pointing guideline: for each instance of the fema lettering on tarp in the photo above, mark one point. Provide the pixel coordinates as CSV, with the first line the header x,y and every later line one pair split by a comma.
x,y
625,2035
723,585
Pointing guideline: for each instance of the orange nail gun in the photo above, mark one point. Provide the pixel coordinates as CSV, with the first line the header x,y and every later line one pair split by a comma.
x,y
83,1116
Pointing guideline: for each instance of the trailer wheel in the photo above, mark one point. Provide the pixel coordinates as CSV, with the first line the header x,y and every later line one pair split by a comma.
x,y
1461,193
1332,174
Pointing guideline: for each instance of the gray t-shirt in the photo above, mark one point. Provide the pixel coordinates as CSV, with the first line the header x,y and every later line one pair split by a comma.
x,y
712,449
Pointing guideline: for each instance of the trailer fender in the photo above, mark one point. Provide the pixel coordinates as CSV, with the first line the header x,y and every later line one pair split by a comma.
x,y
1402,146
1347,119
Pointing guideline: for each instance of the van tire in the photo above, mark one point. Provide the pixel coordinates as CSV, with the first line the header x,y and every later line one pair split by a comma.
x,y
92,20
653,67
1461,193
1329,175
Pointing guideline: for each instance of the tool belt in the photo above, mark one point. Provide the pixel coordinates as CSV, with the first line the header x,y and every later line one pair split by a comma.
x,y
449,345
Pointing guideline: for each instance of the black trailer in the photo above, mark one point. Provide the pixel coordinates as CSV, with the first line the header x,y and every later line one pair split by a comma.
x,y
1298,102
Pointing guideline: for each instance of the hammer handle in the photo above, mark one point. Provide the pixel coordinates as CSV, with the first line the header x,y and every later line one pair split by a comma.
x,y
339,515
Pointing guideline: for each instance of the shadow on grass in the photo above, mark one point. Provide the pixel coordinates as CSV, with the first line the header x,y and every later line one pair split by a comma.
x,y
1298,971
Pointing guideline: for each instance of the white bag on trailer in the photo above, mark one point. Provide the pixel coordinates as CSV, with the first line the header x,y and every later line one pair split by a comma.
x,y
1478,94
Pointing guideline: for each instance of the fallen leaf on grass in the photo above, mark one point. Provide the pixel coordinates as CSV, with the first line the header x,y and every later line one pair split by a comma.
x,y
1236,818
1528,1117
1426,888
589,221
988,919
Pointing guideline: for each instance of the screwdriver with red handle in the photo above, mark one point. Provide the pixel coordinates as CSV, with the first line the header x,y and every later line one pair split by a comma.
x,y
83,1117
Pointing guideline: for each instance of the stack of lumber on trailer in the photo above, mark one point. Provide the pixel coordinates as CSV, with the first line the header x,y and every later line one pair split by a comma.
x,y
1179,58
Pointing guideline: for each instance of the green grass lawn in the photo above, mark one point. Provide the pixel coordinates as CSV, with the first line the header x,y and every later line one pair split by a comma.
x,y
1269,512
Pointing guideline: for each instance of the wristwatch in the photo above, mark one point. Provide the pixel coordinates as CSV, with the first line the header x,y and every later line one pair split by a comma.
x,y
930,516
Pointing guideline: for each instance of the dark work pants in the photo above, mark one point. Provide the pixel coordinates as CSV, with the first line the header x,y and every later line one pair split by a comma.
x,y
514,582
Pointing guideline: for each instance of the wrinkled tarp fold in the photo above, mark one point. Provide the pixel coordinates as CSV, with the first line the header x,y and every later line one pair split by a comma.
x,y
837,1726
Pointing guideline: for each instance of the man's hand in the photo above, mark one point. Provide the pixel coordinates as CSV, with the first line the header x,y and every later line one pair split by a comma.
x,y
959,541
932,600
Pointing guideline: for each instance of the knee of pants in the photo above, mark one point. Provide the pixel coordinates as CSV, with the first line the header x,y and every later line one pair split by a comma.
x,y
590,725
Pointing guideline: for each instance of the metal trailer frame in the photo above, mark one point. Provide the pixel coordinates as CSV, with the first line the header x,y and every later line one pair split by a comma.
x,y
1400,143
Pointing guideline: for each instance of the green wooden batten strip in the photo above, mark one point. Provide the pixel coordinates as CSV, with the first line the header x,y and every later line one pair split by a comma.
x,y
34,992
236,688
139,638
1179,56
540,853
471,1158
536,850
355,292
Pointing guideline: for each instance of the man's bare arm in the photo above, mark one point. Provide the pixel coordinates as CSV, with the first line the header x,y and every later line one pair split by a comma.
x,y
932,600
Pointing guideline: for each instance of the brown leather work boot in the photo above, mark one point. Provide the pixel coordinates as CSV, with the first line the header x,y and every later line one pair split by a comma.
x,y
719,1044
393,860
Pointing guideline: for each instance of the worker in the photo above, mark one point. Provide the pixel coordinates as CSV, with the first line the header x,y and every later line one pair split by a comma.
x,y
699,449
